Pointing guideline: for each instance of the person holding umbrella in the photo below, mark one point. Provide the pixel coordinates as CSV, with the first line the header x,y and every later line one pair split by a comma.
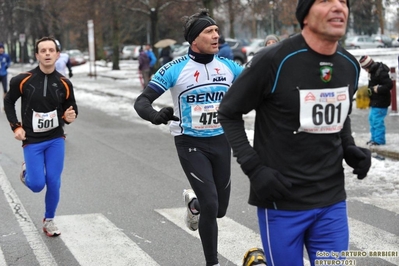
x,y
166,52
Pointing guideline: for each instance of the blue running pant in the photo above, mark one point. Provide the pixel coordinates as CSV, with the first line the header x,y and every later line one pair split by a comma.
x,y
4,83
285,233
44,164
377,126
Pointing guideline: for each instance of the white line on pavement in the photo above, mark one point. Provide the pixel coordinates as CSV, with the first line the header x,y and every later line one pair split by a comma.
x,y
233,241
94,240
43,255
2,259
369,238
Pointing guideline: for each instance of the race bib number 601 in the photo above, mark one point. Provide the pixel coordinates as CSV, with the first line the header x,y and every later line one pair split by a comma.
x,y
323,111
42,122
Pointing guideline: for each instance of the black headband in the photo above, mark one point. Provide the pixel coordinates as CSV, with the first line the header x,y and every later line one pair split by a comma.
x,y
197,27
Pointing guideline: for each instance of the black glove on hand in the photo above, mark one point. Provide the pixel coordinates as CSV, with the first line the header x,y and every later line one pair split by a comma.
x,y
70,74
163,116
269,184
359,159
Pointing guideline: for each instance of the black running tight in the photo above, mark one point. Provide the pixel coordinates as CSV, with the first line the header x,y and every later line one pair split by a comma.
x,y
206,163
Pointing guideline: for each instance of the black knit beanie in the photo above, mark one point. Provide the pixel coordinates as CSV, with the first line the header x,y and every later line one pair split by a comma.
x,y
302,9
198,24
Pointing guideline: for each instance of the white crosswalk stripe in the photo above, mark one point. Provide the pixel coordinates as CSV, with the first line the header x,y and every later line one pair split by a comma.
x,y
94,240
234,238
233,241
369,238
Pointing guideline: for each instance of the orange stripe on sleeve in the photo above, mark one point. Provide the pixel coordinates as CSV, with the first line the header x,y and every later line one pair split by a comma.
x,y
23,81
66,88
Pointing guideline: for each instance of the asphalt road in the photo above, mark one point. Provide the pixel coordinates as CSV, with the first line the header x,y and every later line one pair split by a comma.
x,y
127,176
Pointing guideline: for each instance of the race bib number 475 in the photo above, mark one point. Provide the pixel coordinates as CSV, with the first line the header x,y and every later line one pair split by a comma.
x,y
323,111
204,116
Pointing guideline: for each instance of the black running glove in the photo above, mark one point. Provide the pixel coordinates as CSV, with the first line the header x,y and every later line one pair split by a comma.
x,y
163,116
266,182
270,184
359,159
70,75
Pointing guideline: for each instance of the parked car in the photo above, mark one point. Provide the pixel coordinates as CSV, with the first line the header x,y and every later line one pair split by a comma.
x,y
130,52
395,42
239,52
254,46
362,42
76,56
384,40
180,50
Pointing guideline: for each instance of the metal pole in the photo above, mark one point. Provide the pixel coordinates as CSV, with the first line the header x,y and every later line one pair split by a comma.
x,y
394,107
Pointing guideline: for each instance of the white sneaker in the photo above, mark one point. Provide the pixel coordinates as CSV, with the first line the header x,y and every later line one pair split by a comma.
x,y
50,228
22,174
190,219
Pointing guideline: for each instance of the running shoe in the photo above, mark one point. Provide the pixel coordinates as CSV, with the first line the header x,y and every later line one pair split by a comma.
x,y
190,219
254,256
50,228
22,174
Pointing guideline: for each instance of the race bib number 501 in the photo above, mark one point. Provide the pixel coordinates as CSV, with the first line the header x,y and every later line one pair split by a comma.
x,y
323,111
42,122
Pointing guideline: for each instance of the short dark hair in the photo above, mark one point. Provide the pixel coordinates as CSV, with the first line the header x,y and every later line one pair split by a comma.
x,y
46,39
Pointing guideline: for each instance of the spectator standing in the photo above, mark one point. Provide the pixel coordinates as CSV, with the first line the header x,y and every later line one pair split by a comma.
x,y
379,90
152,57
144,67
166,55
47,102
63,62
197,83
225,49
5,62
271,39
301,89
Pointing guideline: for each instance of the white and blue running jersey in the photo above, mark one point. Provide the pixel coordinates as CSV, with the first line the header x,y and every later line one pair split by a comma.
x,y
197,90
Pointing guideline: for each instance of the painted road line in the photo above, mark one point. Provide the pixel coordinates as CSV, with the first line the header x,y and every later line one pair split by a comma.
x,y
368,238
2,259
234,238
43,255
386,203
95,240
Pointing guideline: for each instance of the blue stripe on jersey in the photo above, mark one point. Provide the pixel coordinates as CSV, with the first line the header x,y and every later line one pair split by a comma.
x,y
305,50
197,90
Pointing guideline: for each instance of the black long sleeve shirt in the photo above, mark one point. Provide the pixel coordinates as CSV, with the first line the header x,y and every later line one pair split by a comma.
x,y
40,93
302,100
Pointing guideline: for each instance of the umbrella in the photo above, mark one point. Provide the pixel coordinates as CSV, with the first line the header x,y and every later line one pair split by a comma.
x,y
164,43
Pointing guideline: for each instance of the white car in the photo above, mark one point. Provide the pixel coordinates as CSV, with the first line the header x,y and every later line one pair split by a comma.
x,y
255,46
395,42
130,52
362,42
181,50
